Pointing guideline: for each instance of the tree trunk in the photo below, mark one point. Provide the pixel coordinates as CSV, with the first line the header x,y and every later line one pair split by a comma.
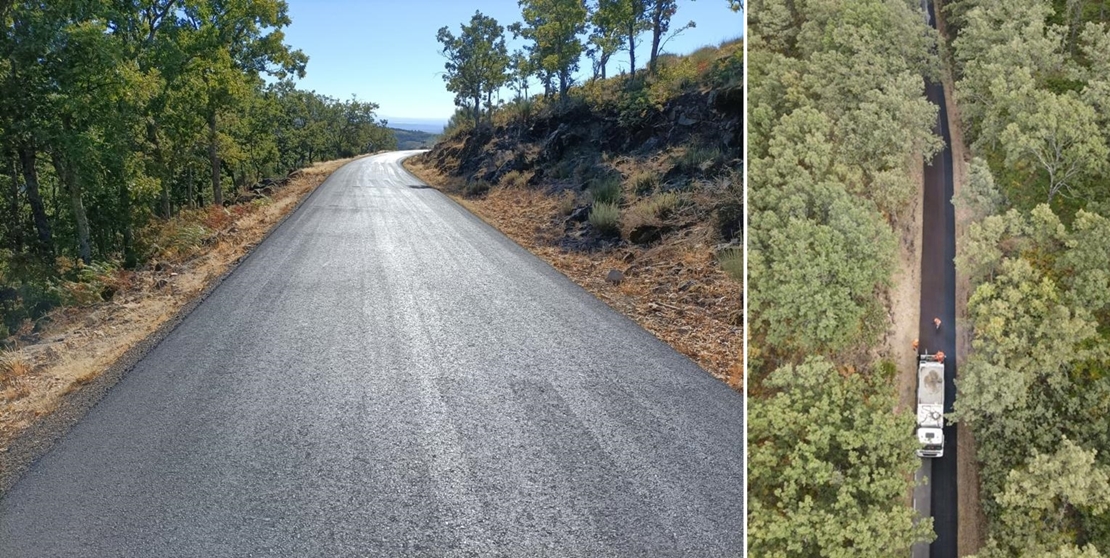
x,y
162,171
214,160
73,188
477,111
656,36
27,158
16,227
632,49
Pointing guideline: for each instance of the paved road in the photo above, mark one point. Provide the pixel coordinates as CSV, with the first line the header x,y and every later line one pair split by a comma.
x,y
938,300
387,375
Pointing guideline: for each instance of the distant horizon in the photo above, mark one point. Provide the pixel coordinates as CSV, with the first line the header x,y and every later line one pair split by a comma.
x,y
428,125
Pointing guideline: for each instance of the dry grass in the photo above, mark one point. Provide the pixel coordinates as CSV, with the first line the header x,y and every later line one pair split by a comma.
x,y
82,343
675,289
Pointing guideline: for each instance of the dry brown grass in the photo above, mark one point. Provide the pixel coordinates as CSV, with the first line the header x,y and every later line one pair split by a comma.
x,y
675,289
82,343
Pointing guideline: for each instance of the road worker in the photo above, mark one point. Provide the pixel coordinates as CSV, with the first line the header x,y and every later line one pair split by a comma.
x,y
915,345
936,321
939,357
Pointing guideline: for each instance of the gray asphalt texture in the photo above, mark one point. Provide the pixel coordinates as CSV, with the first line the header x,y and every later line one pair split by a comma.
x,y
387,375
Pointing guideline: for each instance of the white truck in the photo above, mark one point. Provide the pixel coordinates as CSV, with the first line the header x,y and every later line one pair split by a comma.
x,y
930,406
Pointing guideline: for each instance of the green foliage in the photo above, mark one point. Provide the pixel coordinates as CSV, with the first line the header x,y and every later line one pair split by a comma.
x,y
732,262
1043,500
644,182
700,158
605,217
514,179
412,139
115,117
835,118
1037,376
660,205
1035,93
476,188
477,62
980,195
828,466
836,115
553,28
568,201
606,190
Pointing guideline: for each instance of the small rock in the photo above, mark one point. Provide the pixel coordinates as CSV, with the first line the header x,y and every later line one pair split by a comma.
x,y
615,276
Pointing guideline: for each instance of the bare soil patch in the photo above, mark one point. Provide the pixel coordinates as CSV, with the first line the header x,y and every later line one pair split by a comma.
x,y
82,343
673,288
905,299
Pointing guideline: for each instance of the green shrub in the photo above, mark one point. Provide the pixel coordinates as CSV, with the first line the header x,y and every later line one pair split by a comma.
x,y
732,262
475,188
605,217
606,190
700,158
567,202
514,179
563,169
661,205
644,182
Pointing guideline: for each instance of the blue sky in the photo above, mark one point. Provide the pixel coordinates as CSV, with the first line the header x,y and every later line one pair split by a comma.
x,y
385,51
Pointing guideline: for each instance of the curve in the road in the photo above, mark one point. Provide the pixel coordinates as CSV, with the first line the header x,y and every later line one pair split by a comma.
x,y
387,375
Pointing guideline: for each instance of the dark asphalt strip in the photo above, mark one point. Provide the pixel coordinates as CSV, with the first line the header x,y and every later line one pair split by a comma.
x,y
387,375
938,300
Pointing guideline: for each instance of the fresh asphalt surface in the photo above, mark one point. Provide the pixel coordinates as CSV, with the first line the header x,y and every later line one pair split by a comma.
x,y
938,300
387,375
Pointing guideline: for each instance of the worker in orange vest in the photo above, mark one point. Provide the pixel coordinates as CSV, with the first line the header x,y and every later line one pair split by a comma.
x,y
939,357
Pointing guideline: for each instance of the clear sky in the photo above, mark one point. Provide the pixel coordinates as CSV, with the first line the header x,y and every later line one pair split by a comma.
x,y
385,51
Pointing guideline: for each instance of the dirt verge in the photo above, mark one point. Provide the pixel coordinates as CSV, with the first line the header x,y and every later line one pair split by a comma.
x,y
85,351
673,288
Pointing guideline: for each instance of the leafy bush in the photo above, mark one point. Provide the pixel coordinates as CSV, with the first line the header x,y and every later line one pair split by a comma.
x,y
90,284
606,190
605,217
459,123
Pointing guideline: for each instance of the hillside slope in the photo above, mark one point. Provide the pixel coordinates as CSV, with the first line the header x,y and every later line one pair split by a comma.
x,y
631,187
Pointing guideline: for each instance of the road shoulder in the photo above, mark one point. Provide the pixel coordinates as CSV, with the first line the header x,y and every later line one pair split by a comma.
x,y
77,362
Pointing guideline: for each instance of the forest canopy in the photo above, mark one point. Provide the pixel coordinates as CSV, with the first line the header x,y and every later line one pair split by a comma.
x,y
114,115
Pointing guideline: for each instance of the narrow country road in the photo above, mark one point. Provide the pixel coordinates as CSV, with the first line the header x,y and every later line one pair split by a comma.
x,y
387,375
938,300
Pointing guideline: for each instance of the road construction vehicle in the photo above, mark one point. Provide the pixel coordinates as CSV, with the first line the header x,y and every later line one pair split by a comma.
x,y
930,405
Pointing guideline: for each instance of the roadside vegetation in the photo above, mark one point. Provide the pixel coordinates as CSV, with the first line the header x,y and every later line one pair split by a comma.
x,y
121,126
144,150
1033,86
413,139
628,184
838,120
